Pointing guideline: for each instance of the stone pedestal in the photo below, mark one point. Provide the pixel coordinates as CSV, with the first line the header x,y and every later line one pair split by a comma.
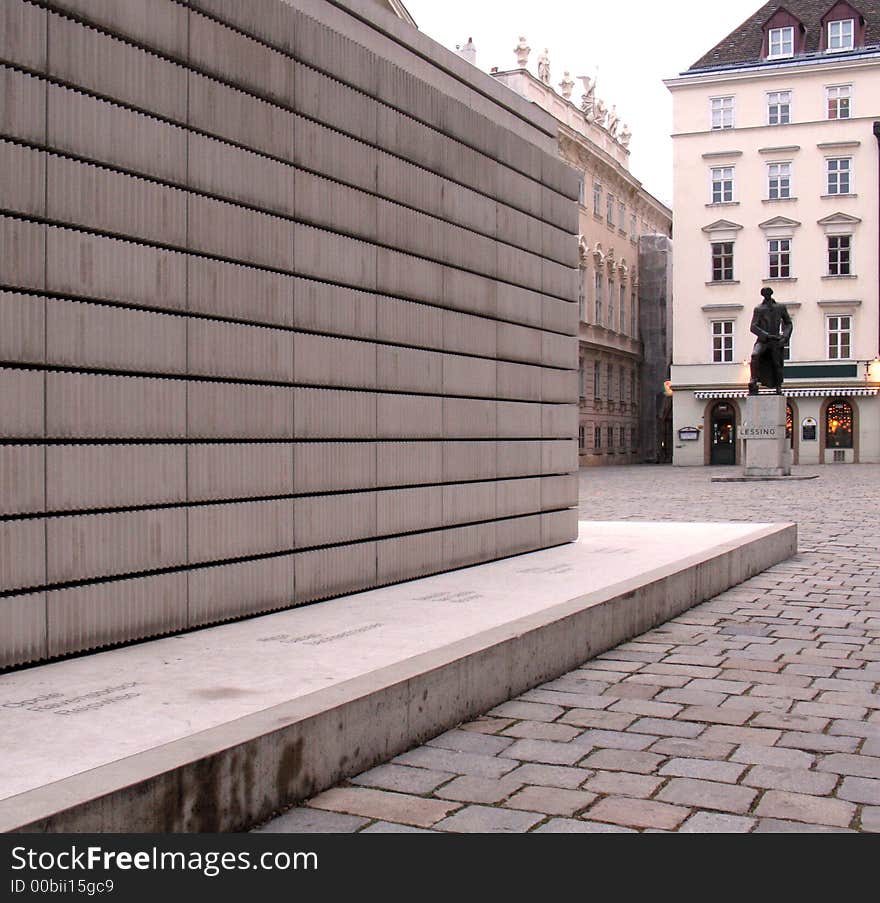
x,y
763,432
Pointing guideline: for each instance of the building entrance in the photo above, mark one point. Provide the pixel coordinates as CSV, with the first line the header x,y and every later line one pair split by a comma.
x,y
723,449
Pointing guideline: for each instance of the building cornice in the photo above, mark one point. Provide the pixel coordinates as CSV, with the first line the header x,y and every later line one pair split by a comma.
x,y
763,70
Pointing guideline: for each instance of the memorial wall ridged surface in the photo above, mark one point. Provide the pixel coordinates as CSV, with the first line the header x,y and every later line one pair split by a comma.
x,y
285,312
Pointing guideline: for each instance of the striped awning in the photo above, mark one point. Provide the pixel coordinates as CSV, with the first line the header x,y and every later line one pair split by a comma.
x,y
823,392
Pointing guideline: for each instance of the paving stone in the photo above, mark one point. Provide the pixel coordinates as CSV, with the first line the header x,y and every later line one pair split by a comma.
x,y
576,826
811,809
531,711
489,820
550,775
622,783
402,778
647,708
471,788
845,727
719,686
708,795
706,769
633,813
387,827
546,751
613,740
568,700
623,760
871,818
303,820
632,691
819,742
667,727
542,730
487,725
779,826
550,800
860,766
772,755
753,735
715,823
830,711
383,805
860,790
612,721
804,723
437,759
797,780
471,742
700,748
685,696
714,715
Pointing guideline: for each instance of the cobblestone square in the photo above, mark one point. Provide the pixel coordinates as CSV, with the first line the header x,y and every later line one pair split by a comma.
x,y
756,711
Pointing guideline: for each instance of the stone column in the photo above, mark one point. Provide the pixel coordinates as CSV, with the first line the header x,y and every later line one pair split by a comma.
x,y
763,432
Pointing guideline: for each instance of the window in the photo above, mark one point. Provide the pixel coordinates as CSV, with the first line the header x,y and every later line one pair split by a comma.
x,y
597,380
582,381
839,258
722,112
632,315
839,97
597,198
610,438
582,192
778,181
780,42
840,35
722,184
622,308
632,227
839,338
597,437
622,384
839,425
632,387
609,209
598,297
610,373
582,438
722,341
722,261
611,323
839,172
621,216
779,108
582,296
780,258
621,441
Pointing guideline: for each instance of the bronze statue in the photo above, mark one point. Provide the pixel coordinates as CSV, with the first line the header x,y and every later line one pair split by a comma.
x,y
772,325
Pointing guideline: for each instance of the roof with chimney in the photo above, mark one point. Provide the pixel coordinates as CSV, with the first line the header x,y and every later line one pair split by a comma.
x,y
746,44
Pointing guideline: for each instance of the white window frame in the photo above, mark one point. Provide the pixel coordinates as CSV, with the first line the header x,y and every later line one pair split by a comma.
x,y
582,191
582,295
841,36
633,315
597,379
712,262
724,106
597,198
609,209
621,216
837,172
777,101
835,330
632,226
849,256
722,184
597,301
836,94
621,306
722,351
582,380
611,301
779,174
780,249
782,39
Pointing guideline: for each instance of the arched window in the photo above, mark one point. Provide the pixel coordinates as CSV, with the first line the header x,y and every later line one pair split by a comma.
x,y
839,425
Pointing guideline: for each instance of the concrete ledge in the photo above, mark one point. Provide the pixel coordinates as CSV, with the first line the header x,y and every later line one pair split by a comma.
x,y
199,741
749,478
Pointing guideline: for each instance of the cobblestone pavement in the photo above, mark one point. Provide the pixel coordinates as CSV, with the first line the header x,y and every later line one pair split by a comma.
x,y
758,710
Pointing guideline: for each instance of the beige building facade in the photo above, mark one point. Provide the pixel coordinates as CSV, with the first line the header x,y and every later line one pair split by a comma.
x,y
615,211
776,184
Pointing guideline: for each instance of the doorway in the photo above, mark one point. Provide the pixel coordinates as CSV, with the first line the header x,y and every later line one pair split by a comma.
x,y
723,436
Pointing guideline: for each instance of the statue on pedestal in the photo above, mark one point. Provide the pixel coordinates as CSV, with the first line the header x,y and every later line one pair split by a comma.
x,y
600,112
625,135
566,85
544,67
613,121
772,325
588,98
522,51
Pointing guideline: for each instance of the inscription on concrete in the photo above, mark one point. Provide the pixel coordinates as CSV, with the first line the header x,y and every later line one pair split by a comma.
x,y
760,432
316,639
455,598
65,704
553,569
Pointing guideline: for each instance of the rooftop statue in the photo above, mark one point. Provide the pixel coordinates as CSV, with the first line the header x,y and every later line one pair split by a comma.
x,y
566,85
588,98
522,51
544,67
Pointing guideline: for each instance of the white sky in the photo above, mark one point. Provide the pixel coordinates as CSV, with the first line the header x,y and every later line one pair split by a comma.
x,y
634,43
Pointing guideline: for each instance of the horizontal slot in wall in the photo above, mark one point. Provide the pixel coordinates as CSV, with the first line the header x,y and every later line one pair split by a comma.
x,y
279,319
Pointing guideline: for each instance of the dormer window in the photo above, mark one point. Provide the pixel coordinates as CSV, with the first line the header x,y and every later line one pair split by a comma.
x,y
781,42
841,35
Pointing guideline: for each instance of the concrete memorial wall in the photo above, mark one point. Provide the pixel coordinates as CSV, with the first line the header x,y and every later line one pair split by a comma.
x,y
287,310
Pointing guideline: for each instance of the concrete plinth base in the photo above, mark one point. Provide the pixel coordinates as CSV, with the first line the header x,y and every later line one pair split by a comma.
x,y
763,432
216,729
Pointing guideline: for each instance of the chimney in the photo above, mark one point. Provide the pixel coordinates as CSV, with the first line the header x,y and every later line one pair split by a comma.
x,y
468,52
